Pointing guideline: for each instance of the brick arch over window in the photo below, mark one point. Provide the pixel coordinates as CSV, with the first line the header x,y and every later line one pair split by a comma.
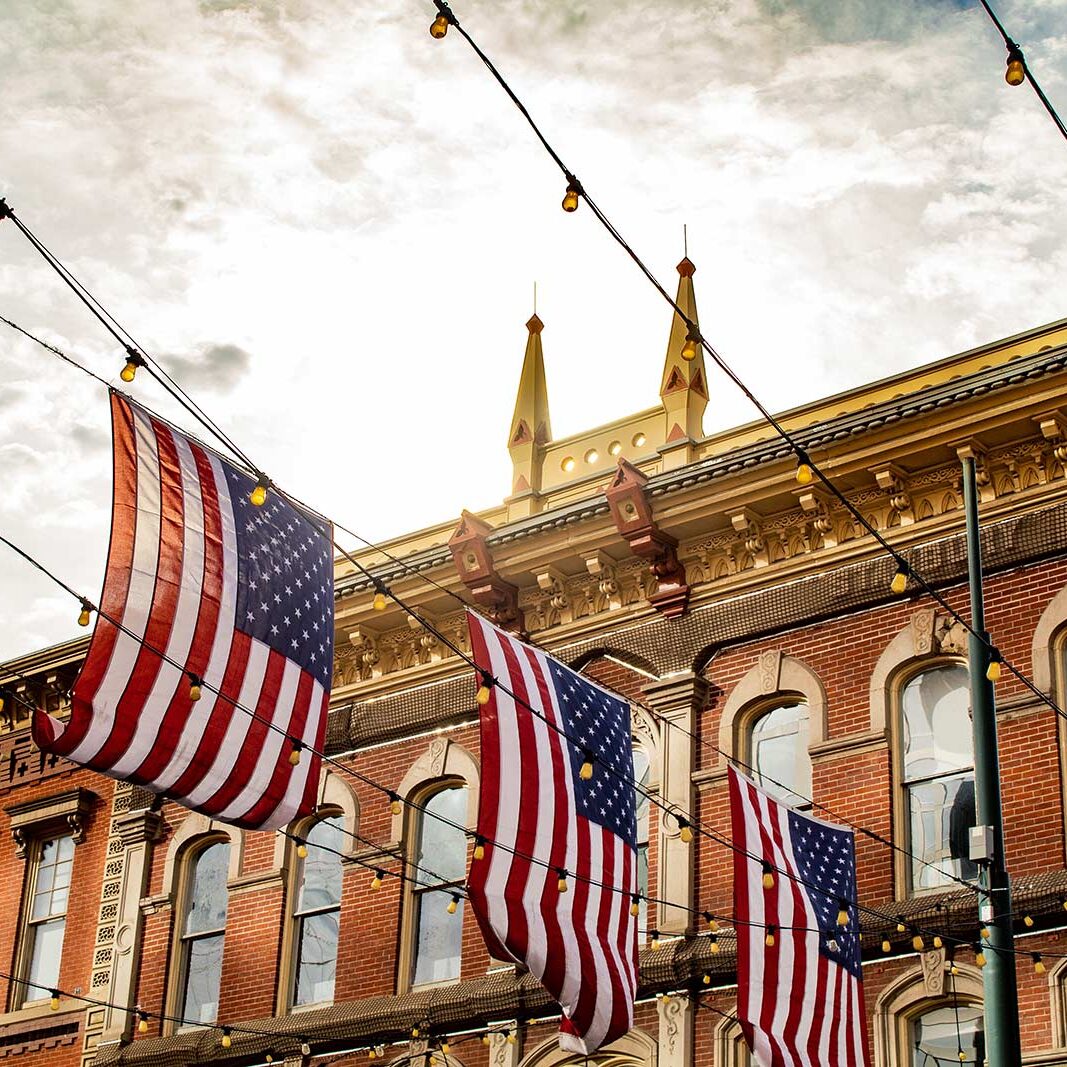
x,y
773,676
917,991
442,760
1048,641
193,828
633,1048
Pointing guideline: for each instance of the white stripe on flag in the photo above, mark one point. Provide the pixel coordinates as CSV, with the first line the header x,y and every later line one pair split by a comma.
x,y
294,790
754,932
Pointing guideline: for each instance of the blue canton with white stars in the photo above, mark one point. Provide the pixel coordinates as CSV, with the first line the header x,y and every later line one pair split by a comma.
x,y
600,726
284,579
826,860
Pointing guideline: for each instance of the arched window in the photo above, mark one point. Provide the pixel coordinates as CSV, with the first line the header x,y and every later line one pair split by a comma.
x,y
642,767
202,931
938,774
317,913
940,1035
440,856
46,914
778,753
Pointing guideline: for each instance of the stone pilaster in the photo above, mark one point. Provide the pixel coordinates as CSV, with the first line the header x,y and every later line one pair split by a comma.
x,y
676,699
676,1016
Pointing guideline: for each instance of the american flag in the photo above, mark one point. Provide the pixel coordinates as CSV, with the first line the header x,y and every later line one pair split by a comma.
x,y
581,944
238,596
800,999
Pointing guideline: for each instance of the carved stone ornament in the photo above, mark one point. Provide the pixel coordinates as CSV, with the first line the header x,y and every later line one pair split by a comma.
x,y
770,670
64,813
934,972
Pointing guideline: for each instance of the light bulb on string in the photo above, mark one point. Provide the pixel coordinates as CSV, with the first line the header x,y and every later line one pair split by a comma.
x,y
395,807
1039,966
87,608
1028,920
453,904
570,198
653,940
195,683
710,919
439,27
984,933
635,905
301,848
707,979
804,473
376,881
842,913
886,945
713,944
768,875
917,943
294,756
979,956
258,496
900,924
379,599
768,939
53,1001
446,1048
1015,74
142,1022
226,1039
900,578
938,943
561,883
479,848
585,772
685,830
134,359
692,344
992,672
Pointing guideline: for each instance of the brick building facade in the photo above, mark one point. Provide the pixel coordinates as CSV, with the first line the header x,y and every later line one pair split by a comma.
x,y
745,614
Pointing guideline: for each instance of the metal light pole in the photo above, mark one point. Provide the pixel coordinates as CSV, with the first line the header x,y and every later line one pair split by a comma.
x,y
1001,997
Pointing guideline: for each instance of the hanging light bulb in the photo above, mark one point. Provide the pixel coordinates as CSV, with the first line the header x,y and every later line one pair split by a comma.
x,y
804,473
900,924
707,979
485,1039
53,1002
305,1049
768,875
653,940
1028,920
992,672
395,807
1039,966
226,1041
713,925
570,198
512,1039
842,913
194,687
301,848
938,943
134,360
635,905
561,884
142,1024
1016,70
479,848
83,618
769,939
379,600
685,830
586,770
453,904
268,1056
886,946
900,578
713,944
294,756
258,496
953,969
371,1055
485,690
376,881
692,344
963,1056
984,933
414,1031
917,943
446,1048
979,956
439,27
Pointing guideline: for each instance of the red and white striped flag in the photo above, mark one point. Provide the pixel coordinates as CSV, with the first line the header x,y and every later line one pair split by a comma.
x,y
239,599
799,983
539,822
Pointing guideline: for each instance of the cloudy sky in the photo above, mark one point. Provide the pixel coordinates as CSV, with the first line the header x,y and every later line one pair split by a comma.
x,y
328,226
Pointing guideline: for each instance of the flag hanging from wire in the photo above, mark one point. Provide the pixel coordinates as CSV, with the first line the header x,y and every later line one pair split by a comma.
x,y
205,596
558,870
799,984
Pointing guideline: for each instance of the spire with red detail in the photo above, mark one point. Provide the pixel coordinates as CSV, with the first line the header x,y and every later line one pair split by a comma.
x,y
683,388
531,427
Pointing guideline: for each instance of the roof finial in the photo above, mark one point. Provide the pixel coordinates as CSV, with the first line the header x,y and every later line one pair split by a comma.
x,y
535,298
685,240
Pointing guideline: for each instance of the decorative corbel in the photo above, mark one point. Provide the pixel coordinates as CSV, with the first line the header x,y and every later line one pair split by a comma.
x,y
476,569
429,646
366,645
632,515
1053,428
551,581
974,449
893,481
602,567
747,524
815,503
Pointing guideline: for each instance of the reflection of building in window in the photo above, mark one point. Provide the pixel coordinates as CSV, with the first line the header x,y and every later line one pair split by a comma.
x,y
317,913
203,930
441,856
940,1035
779,754
938,762
641,775
46,915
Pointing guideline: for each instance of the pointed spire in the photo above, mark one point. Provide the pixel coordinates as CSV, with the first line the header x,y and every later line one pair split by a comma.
x,y
531,426
683,388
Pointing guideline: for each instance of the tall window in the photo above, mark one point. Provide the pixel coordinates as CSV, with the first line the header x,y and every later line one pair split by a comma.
x,y
938,775
779,754
938,1036
641,771
46,915
317,914
203,930
441,855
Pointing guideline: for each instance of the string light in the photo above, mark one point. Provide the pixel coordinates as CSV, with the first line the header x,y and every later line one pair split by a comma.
x,y
485,691
1015,74
439,26
376,881
258,496
570,198
769,938
768,875
900,924
713,944
685,831
226,1039
53,1002
134,359
194,687
379,598
294,756
479,848
586,771
561,885
142,1025
395,807
984,933
301,848
886,946
917,943
979,956
842,913
512,1039
83,618
938,943
805,474
268,1056
453,904
692,344
653,940
446,1048
1028,920
485,1040
635,905
992,672
713,925
707,979
414,1031
900,578
1039,966
305,1049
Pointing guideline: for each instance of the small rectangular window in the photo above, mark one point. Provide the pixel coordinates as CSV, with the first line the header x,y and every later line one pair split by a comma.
x,y
45,910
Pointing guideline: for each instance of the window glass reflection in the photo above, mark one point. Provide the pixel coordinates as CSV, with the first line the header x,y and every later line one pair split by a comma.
x,y
318,913
940,1035
47,923
203,934
780,754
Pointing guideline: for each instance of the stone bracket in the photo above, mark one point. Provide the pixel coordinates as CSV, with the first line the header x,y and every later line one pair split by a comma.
x,y
893,481
476,569
632,515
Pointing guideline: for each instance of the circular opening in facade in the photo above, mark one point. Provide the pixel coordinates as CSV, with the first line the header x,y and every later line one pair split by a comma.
x,y
592,456
615,447
568,464
639,440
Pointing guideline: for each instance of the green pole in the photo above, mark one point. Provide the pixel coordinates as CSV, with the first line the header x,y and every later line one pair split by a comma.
x,y
1001,997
